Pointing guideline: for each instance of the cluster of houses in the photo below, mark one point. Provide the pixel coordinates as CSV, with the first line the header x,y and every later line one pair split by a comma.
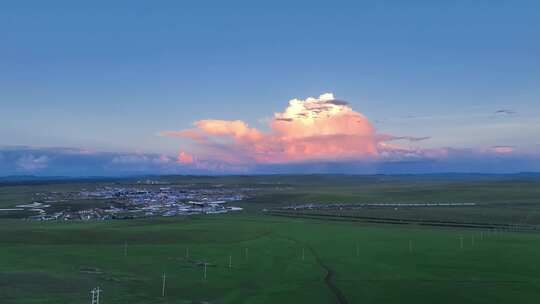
x,y
136,202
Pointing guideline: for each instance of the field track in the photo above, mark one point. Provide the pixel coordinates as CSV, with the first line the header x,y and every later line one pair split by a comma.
x,y
328,277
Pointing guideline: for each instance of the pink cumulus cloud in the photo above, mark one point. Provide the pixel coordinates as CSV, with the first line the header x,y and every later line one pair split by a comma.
x,y
184,158
313,129
322,128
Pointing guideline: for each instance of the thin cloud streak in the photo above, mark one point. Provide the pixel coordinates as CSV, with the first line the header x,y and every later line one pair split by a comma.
x,y
505,112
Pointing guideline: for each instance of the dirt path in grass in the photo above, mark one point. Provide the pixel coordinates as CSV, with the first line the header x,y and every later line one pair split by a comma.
x,y
330,274
329,278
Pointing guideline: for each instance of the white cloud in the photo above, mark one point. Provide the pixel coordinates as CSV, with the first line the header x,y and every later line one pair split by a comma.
x,y
31,163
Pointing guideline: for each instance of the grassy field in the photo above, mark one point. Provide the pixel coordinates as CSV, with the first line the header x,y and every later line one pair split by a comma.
x,y
274,260
282,260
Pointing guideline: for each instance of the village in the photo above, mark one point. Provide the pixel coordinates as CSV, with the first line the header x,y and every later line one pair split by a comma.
x,y
113,202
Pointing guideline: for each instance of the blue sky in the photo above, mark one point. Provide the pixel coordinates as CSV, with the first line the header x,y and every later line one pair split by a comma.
x,y
109,77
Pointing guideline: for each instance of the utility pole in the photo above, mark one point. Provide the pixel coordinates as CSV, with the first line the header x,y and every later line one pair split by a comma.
x,y
95,295
163,286
205,270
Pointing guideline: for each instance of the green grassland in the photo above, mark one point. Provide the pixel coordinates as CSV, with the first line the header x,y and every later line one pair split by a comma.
x,y
283,260
287,261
